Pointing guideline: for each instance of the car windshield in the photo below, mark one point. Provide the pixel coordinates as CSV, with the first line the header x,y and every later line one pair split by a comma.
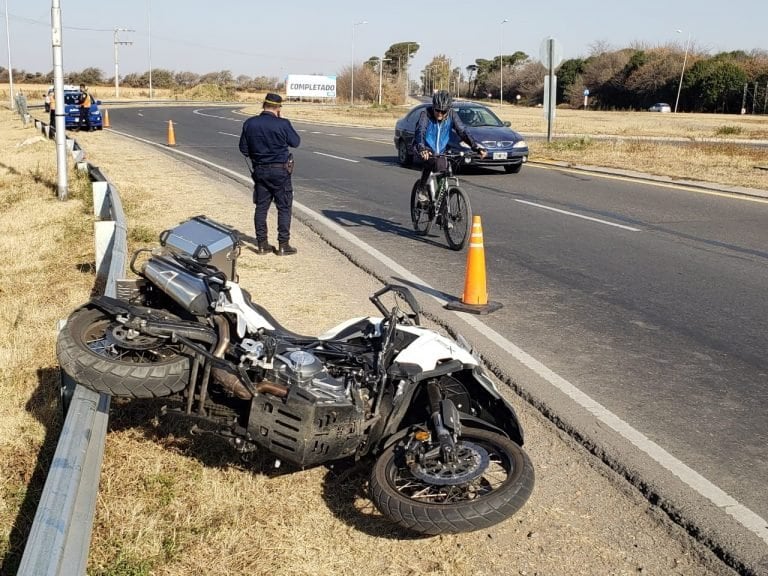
x,y
72,98
477,116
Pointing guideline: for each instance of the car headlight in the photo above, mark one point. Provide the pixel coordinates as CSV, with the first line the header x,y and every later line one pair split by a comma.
x,y
520,144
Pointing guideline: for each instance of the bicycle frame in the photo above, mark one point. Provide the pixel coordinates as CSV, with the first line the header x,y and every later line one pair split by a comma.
x,y
453,216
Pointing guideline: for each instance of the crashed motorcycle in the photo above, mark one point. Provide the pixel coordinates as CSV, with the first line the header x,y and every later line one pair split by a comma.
x,y
444,446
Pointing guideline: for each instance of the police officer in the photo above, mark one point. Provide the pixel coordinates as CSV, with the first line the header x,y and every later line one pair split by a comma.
x,y
85,109
265,140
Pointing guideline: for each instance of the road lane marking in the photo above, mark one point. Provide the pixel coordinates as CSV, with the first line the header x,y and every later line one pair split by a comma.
x,y
721,499
648,182
336,157
622,226
228,134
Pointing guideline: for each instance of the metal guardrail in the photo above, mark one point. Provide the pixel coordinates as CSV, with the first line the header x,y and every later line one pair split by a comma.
x,y
60,537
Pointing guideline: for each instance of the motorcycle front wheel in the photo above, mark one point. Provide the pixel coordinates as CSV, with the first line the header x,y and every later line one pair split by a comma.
x,y
492,495
94,351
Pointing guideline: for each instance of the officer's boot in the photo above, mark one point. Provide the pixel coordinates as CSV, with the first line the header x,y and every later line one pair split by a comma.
x,y
286,249
264,247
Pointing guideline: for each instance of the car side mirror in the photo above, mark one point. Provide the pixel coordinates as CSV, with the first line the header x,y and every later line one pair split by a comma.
x,y
507,123
98,102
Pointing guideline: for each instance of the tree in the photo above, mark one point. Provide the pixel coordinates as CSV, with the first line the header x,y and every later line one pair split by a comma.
x,y
715,84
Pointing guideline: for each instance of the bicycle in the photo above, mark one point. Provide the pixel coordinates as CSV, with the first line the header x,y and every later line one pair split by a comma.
x,y
447,205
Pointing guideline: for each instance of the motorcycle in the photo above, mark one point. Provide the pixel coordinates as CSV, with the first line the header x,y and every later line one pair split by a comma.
x,y
445,448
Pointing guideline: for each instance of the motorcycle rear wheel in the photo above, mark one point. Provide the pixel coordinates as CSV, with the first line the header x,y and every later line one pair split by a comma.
x,y
417,505
91,355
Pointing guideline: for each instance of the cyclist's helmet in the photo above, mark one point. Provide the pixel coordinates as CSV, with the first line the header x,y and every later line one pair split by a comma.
x,y
441,101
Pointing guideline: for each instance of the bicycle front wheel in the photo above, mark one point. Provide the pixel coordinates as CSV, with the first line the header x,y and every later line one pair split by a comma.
x,y
457,218
420,212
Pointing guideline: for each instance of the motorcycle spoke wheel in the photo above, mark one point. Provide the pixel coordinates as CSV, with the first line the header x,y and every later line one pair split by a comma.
x,y
497,489
96,352
457,219
420,212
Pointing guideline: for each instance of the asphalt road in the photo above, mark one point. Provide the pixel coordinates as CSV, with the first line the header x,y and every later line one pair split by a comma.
x,y
634,313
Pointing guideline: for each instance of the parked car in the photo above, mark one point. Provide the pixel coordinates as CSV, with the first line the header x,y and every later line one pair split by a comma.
x,y
660,107
72,108
506,148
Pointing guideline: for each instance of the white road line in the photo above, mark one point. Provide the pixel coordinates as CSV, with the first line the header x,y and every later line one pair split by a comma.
x,y
336,157
622,226
746,517
228,134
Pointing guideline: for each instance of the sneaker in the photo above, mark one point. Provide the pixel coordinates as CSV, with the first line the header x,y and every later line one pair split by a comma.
x,y
422,196
286,249
264,247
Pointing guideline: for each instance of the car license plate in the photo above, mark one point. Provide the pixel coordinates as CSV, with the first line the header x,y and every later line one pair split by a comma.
x,y
499,155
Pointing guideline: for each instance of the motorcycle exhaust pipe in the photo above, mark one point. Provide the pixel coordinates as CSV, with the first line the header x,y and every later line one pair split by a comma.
x,y
230,381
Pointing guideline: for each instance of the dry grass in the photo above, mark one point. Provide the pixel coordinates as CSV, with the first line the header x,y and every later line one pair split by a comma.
x,y
171,503
46,264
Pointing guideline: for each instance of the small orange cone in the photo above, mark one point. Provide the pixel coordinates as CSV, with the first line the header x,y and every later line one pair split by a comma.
x,y
475,297
105,120
171,135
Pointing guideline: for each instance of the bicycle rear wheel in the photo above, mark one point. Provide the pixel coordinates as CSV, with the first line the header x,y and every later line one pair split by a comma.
x,y
420,212
457,218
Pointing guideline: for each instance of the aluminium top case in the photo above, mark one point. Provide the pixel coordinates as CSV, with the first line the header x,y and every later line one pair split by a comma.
x,y
207,241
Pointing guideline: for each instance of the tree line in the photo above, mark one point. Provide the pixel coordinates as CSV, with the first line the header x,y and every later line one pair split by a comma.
x,y
617,79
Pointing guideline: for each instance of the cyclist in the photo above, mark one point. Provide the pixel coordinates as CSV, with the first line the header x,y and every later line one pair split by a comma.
x,y
433,129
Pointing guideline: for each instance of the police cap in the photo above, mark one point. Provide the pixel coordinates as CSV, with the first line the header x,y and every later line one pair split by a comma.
x,y
273,99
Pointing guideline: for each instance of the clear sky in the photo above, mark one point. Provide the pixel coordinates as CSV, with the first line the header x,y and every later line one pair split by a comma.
x,y
279,37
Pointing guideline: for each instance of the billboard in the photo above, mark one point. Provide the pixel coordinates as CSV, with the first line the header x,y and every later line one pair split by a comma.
x,y
310,86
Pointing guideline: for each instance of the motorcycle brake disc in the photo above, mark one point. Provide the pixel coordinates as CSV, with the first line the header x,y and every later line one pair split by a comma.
x,y
118,335
471,461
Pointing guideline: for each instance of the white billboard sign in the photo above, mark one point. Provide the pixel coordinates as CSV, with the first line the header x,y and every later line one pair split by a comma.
x,y
310,86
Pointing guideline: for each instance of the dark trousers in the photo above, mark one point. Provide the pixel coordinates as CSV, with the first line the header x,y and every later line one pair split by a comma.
x,y
85,118
430,165
272,183
52,123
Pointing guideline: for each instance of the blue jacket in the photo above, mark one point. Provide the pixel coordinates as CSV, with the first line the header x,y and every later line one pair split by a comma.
x,y
433,135
265,139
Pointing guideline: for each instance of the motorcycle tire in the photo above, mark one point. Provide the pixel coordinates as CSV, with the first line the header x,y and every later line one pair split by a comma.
x,y
450,509
90,357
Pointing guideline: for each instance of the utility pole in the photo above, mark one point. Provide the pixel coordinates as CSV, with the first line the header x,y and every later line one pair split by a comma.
x,y
10,67
118,42
58,88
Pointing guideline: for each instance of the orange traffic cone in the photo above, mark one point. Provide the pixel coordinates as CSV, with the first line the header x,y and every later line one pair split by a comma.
x,y
171,135
475,297
105,120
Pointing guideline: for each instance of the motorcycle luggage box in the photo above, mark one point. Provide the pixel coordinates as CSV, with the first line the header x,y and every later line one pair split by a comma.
x,y
207,241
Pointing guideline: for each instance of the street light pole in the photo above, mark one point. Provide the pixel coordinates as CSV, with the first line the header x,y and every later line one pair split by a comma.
x,y
381,68
501,62
352,82
682,72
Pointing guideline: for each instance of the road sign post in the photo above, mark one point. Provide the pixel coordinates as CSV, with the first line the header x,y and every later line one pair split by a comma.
x,y
551,56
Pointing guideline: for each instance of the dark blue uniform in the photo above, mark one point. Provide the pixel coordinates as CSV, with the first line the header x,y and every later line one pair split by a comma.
x,y
266,139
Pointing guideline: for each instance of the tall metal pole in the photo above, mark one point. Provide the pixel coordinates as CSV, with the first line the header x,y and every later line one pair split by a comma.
x,y
501,62
10,67
117,42
149,26
685,59
58,87
352,82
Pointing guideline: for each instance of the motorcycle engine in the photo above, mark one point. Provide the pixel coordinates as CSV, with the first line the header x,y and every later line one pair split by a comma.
x,y
304,369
